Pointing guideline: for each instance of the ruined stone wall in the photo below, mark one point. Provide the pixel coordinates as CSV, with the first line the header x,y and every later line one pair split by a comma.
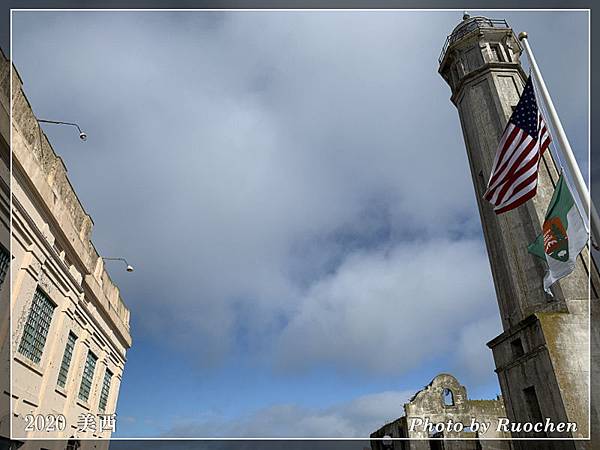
x,y
442,401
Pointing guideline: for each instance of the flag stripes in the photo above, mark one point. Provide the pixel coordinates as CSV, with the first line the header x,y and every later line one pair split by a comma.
x,y
514,175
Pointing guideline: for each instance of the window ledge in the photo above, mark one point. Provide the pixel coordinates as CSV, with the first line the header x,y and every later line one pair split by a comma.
x,y
83,404
61,391
36,367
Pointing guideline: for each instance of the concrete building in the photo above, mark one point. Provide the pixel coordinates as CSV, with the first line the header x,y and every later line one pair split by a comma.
x,y
542,357
70,327
444,401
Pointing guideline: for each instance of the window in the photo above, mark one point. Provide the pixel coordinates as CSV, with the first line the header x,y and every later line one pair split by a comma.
x,y
66,360
533,406
4,264
496,52
105,390
473,57
37,326
448,397
482,182
517,348
88,376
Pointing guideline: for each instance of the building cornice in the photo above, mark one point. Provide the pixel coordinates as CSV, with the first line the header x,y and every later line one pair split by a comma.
x,y
36,163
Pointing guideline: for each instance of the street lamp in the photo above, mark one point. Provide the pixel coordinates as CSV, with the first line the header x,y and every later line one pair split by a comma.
x,y
129,267
82,134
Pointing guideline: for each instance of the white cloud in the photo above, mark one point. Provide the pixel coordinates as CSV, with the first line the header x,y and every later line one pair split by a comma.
x,y
356,418
474,360
268,169
260,145
297,179
389,310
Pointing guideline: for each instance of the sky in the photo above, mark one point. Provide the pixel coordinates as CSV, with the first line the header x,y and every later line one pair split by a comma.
x,y
294,193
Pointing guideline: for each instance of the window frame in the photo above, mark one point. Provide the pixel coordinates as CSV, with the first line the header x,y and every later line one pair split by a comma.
x,y
448,399
87,377
105,391
37,326
65,366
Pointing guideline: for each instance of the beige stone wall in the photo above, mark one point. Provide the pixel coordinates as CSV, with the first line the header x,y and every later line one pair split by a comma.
x,y
4,241
52,251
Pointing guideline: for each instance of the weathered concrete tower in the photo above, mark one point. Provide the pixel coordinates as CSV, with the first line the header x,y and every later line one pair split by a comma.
x,y
543,356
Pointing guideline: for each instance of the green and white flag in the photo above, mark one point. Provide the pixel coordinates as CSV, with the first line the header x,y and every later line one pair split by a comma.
x,y
563,235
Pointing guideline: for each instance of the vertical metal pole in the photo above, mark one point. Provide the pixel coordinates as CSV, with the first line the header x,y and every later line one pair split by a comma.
x,y
564,146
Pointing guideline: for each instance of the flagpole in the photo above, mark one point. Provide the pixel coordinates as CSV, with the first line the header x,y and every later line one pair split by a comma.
x,y
564,146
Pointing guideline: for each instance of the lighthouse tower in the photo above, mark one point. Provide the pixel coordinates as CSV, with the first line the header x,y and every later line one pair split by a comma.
x,y
542,357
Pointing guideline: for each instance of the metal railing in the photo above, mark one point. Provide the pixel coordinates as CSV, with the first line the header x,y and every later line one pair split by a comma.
x,y
472,24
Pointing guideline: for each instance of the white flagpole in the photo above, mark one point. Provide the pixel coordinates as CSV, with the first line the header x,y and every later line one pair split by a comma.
x,y
564,146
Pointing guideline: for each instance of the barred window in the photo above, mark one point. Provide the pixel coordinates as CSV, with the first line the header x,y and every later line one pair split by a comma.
x,y
66,360
88,376
37,326
105,390
4,264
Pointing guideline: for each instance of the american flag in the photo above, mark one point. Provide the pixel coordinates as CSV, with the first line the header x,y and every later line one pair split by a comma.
x,y
514,175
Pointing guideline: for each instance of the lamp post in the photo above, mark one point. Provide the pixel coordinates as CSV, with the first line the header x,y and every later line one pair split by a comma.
x,y
82,134
129,267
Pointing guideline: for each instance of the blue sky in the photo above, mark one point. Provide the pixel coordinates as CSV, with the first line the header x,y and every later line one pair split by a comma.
x,y
293,190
